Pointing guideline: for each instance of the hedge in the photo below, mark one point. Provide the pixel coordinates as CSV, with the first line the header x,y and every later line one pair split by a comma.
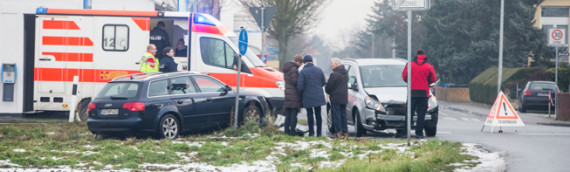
x,y
483,88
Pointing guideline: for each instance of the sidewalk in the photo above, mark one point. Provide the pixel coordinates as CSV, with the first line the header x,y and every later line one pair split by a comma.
x,y
483,110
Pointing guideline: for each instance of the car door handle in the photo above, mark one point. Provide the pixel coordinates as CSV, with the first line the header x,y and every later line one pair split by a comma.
x,y
180,101
45,59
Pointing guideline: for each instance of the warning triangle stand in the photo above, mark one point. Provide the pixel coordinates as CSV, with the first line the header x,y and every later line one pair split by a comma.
x,y
502,114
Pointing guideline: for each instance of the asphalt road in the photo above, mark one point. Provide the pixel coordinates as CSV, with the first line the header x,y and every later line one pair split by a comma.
x,y
529,148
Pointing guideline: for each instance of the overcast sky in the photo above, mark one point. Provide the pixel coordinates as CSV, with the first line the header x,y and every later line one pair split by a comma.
x,y
340,19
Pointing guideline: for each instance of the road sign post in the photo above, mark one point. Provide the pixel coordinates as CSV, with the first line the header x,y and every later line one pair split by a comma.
x,y
409,6
242,45
556,38
263,16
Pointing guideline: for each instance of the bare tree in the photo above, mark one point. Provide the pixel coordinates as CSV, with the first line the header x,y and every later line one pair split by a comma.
x,y
293,18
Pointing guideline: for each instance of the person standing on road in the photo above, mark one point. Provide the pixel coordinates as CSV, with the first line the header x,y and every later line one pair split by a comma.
x,y
292,99
159,37
423,75
167,63
337,88
310,88
148,62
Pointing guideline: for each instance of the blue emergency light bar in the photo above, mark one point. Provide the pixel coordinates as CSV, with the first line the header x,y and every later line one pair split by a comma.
x,y
201,19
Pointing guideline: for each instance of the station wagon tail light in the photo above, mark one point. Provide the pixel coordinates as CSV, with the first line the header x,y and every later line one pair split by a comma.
x,y
91,106
134,106
527,92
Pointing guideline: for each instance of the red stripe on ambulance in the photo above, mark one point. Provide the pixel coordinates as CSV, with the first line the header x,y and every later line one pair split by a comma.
x,y
71,57
85,75
62,40
59,24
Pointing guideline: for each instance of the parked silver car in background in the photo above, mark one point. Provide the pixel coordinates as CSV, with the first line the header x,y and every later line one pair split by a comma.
x,y
377,97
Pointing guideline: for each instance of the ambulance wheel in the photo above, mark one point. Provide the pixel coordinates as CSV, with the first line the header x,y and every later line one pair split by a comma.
x,y
82,109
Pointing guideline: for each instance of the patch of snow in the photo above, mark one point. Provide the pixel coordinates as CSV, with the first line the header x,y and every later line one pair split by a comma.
x,y
8,163
50,133
18,150
489,161
89,146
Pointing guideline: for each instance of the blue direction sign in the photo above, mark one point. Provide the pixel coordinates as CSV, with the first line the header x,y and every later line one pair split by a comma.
x,y
242,44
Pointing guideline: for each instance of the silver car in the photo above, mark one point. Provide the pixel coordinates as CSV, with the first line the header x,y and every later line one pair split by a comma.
x,y
377,97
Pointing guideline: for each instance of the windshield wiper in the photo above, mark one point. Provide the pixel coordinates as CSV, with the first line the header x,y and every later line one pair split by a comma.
x,y
117,97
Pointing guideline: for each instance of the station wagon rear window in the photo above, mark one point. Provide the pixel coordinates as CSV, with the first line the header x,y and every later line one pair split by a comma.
x,y
119,90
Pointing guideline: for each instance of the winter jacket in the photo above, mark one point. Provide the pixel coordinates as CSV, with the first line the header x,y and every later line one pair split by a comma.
x,y
160,39
148,63
291,75
337,86
167,64
423,75
310,86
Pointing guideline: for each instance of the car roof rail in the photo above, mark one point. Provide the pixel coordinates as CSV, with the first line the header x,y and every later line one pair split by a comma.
x,y
135,75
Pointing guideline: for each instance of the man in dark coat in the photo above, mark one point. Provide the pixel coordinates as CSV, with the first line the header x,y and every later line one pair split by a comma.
x,y
310,88
159,37
423,75
337,88
292,100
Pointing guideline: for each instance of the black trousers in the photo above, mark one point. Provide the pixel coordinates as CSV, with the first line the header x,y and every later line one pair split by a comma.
x,y
339,118
291,120
311,120
419,106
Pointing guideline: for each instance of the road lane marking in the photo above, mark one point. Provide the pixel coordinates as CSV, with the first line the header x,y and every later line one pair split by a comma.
x,y
545,134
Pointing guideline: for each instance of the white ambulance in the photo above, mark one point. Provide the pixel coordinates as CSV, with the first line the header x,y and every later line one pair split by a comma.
x,y
99,45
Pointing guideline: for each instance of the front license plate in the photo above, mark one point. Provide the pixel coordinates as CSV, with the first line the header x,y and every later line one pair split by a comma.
x,y
542,94
109,111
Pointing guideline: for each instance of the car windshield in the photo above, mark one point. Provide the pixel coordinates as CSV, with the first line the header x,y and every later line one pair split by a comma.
x,y
251,57
543,86
382,76
119,90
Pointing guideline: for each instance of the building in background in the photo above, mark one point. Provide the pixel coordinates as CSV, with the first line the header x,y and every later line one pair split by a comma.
x,y
551,13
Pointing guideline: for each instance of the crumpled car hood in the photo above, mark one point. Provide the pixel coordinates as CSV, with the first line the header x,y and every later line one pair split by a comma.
x,y
391,95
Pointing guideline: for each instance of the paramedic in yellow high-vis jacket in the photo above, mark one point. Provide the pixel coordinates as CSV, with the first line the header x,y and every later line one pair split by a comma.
x,y
149,63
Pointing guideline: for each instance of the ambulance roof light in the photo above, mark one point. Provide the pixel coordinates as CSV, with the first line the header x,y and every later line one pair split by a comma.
x,y
41,11
201,19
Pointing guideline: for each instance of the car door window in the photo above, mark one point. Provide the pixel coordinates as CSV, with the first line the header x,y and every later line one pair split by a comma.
x,y
207,84
351,73
216,52
182,85
158,88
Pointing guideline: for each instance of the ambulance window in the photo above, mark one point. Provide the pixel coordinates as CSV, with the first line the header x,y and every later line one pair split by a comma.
x,y
115,37
216,52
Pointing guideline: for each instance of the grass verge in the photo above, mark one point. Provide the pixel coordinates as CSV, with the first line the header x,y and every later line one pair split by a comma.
x,y
60,145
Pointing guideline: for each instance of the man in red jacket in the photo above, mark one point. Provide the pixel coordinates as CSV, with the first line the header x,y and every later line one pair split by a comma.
x,y
423,75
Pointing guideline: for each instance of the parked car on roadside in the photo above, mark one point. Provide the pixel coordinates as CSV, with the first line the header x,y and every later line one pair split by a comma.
x,y
167,104
535,95
377,97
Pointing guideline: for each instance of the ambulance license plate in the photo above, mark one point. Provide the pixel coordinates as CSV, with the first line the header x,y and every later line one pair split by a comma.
x,y
109,112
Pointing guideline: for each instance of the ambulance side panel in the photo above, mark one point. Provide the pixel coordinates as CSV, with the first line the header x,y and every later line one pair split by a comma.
x,y
94,48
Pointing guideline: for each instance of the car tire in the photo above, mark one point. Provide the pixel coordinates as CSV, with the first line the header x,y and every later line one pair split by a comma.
x,y
360,131
82,109
252,113
522,108
329,120
169,127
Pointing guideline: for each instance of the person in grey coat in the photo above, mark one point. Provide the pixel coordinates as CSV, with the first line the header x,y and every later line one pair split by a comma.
x,y
310,88
292,100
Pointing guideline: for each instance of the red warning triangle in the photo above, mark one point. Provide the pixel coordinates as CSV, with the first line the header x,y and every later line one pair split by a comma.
x,y
503,114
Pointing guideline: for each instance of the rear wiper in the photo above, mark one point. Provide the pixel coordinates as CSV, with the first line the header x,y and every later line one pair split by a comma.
x,y
117,97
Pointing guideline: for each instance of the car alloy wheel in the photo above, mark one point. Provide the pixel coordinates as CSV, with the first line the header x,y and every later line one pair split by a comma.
x,y
169,127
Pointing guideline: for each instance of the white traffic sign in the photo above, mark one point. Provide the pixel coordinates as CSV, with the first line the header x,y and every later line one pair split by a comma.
x,y
557,37
404,5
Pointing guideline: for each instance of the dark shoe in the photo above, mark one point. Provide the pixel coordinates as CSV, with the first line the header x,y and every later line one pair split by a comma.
x,y
420,137
318,134
311,134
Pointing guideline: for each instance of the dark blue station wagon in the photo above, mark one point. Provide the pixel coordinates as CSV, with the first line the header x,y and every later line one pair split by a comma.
x,y
167,104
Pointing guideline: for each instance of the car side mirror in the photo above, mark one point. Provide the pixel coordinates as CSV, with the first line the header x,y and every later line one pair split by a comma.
x,y
228,88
